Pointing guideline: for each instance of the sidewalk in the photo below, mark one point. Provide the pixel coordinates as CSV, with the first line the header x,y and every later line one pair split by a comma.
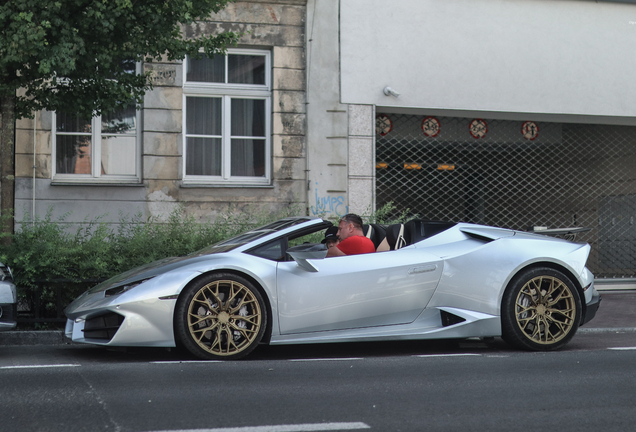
x,y
617,313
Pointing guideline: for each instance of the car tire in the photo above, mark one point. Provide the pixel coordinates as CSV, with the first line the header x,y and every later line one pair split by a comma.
x,y
540,310
221,316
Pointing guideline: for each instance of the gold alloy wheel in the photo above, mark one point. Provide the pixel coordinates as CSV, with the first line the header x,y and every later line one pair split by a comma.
x,y
545,309
224,317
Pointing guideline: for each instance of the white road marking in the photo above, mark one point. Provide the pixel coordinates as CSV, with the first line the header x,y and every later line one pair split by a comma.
x,y
284,428
186,361
446,355
38,366
623,348
326,359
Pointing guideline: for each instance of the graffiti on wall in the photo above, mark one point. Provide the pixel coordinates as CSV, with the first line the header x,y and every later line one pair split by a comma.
x,y
329,204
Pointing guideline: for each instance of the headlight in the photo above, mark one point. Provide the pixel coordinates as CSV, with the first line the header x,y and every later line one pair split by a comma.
x,y
123,288
5,273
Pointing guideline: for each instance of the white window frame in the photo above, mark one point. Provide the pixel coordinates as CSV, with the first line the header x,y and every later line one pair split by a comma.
x,y
227,92
96,176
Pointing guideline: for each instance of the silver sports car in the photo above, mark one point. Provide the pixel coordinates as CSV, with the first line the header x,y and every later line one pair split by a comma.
x,y
273,285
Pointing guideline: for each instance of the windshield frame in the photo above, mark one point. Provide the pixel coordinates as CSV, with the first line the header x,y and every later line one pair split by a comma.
x,y
257,236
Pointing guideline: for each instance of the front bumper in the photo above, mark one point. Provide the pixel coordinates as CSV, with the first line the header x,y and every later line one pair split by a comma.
x,y
8,316
591,307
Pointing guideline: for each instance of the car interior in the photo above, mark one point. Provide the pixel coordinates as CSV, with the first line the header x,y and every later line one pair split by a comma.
x,y
396,236
384,237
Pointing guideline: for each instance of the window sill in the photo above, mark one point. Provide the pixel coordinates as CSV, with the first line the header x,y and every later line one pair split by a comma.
x,y
229,185
94,183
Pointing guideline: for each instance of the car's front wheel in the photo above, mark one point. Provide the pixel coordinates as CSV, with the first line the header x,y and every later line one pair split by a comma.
x,y
222,316
541,310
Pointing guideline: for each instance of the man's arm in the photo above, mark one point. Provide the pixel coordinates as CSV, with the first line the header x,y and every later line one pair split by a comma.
x,y
334,251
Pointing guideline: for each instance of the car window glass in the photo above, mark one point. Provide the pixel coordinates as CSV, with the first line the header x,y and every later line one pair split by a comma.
x,y
271,251
315,237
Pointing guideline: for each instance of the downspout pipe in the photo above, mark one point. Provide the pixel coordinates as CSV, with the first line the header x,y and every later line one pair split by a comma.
x,y
35,118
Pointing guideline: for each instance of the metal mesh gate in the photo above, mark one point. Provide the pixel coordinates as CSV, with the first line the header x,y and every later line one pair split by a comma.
x,y
517,175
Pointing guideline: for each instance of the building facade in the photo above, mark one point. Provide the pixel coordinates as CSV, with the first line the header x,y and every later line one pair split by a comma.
x,y
518,113
227,134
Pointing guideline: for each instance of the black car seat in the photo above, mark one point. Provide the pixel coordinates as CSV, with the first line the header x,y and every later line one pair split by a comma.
x,y
395,236
377,235
414,231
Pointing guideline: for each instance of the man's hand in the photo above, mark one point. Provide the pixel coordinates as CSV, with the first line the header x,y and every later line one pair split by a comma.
x,y
333,251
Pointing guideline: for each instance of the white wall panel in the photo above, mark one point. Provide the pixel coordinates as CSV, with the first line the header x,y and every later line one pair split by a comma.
x,y
527,56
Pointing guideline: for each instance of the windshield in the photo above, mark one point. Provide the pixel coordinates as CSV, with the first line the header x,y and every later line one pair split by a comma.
x,y
242,239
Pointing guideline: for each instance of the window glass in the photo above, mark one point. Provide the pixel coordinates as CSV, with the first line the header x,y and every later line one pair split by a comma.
x,y
118,155
248,157
314,237
206,69
73,154
248,117
203,156
246,69
120,122
203,116
71,123
271,251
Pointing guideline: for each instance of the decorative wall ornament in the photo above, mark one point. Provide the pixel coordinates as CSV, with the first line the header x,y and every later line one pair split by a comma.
x,y
478,128
431,126
383,124
530,130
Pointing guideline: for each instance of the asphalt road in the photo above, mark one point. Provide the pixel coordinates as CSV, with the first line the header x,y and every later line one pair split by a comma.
x,y
395,386
405,386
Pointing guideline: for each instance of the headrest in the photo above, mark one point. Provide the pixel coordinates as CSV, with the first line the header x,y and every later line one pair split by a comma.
x,y
395,236
375,233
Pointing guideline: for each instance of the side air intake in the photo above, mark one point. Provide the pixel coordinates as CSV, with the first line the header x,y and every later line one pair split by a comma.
x,y
448,319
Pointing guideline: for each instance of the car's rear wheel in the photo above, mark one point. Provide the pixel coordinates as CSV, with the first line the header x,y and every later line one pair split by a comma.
x,y
222,316
541,310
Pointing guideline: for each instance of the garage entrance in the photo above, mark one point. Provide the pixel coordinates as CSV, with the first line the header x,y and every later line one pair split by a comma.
x,y
518,175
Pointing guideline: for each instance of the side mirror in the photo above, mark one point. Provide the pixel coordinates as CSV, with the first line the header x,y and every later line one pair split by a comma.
x,y
304,252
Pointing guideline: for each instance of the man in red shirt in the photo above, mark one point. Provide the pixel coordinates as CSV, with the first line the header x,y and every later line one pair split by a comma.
x,y
352,239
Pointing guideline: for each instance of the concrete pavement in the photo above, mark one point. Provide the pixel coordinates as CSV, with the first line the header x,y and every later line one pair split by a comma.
x,y
617,313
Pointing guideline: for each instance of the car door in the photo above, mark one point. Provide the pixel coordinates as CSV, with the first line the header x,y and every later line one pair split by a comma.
x,y
356,291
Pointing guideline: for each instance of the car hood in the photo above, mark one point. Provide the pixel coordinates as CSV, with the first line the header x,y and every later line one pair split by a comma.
x,y
150,270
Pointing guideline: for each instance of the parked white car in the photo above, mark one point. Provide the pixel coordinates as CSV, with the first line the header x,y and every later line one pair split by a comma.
x,y
437,280
8,299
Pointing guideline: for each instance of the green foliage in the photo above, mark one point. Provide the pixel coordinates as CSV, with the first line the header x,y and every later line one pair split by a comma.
x,y
70,55
389,214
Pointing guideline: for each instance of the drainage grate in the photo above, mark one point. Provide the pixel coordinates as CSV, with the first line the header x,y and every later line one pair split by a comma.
x,y
517,175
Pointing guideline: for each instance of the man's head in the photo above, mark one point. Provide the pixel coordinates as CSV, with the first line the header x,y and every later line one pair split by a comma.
x,y
350,225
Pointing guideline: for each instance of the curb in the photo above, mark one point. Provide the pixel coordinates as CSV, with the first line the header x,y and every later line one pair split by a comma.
x,y
608,330
56,337
34,337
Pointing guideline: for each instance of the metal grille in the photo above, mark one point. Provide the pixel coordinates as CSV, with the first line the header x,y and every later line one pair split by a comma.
x,y
557,175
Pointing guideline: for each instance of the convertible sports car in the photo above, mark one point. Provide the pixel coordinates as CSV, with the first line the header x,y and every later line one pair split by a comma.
x,y
428,280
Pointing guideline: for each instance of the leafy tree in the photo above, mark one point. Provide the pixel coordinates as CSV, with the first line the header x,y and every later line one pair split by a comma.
x,y
71,55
